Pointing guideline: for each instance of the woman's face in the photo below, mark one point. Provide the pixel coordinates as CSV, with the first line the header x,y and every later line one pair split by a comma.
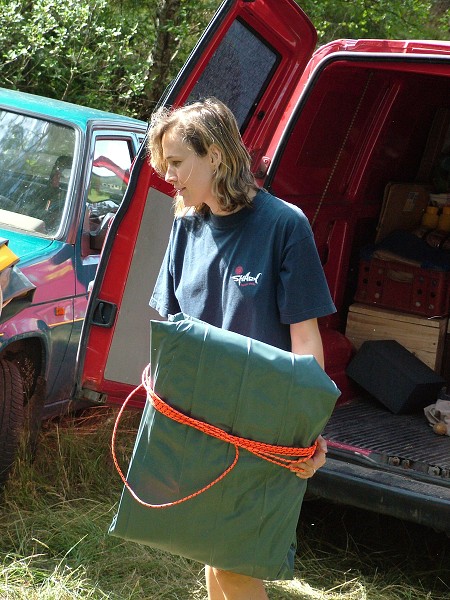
x,y
191,175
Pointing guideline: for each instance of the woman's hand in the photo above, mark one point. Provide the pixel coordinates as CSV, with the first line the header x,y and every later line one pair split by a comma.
x,y
306,469
306,339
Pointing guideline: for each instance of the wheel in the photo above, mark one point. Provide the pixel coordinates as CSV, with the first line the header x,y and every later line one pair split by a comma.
x,y
11,416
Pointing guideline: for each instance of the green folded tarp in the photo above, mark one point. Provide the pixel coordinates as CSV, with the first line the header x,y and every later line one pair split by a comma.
x,y
246,522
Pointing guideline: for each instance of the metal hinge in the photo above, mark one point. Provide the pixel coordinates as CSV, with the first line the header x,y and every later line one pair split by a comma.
x,y
92,397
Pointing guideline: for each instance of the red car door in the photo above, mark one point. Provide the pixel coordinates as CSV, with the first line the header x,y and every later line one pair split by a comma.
x,y
251,56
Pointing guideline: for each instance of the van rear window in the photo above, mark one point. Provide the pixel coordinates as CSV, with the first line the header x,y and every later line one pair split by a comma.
x,y
238,72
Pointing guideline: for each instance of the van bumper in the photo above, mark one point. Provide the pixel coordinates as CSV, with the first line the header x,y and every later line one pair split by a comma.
x,y
384,492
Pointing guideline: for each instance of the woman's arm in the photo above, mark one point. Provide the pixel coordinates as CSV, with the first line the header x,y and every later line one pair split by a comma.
x,y
306,339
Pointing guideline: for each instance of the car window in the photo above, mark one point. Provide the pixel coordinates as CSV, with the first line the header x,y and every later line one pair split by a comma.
x,y
238,71
35,170
108,182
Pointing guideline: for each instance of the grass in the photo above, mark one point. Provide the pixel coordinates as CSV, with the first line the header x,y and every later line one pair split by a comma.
x,y
54,543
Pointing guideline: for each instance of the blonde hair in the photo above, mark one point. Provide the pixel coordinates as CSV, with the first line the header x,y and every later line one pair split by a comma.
x,y
200,125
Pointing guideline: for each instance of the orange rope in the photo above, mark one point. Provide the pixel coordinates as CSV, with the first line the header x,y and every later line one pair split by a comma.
x,y
272,453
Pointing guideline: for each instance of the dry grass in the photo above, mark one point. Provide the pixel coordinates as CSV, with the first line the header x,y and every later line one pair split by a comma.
x,y
54,543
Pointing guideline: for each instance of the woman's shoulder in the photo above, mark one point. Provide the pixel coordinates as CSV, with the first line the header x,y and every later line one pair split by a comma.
x,y
277,209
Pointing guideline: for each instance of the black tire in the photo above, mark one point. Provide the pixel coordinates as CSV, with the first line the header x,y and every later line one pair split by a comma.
x,y
11,416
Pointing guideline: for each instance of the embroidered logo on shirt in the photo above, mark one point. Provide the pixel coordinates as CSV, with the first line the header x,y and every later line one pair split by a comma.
x,y
244,279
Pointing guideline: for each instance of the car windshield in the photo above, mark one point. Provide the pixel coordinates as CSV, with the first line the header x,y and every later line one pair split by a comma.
x,y
35,169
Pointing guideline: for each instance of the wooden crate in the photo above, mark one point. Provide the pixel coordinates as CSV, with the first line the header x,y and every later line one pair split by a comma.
x,y
422,336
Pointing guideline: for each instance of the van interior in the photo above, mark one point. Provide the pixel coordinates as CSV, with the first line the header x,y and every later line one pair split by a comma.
x,y
364,128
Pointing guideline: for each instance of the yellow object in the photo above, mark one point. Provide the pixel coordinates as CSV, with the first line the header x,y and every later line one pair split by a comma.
x,y
7,258
430,218
440,428
444,219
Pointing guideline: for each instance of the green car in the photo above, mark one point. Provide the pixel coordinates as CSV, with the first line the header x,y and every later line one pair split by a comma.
x,y
63,172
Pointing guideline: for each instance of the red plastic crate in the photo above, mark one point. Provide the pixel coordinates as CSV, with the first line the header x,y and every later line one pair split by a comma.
x,y
403,287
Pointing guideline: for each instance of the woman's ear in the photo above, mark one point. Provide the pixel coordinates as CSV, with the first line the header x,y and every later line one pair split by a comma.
x,y
215,155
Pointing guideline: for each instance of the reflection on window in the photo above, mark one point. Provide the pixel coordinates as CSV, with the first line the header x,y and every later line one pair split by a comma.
x,y
238,72
109,179
110,171
35,170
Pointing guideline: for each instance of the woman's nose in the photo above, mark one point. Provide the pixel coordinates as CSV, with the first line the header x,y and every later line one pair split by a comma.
x,y
170,175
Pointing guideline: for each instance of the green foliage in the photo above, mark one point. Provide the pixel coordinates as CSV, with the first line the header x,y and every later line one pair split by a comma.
x,y
383,19
120,55
73,50
117,56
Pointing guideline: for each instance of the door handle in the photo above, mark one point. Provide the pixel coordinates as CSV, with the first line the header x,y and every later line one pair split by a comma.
x,y
104,313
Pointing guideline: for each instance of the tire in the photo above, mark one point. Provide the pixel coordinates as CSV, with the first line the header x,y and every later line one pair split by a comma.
x,y
11,416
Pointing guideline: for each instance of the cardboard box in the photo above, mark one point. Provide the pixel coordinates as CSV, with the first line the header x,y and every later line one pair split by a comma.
x,y
394,376
424,337
403,207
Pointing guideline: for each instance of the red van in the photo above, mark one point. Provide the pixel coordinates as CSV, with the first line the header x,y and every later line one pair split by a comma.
x,y
355,133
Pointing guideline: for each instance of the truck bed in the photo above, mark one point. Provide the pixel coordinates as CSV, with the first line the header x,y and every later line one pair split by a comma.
x,y
404,441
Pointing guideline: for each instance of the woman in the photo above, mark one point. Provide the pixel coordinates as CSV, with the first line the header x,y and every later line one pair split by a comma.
x,y
238,258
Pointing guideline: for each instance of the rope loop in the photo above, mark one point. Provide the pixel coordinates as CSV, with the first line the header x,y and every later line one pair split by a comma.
x,y
269,452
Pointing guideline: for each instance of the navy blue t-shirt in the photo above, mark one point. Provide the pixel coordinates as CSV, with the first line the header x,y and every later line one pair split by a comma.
x,y
253,272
